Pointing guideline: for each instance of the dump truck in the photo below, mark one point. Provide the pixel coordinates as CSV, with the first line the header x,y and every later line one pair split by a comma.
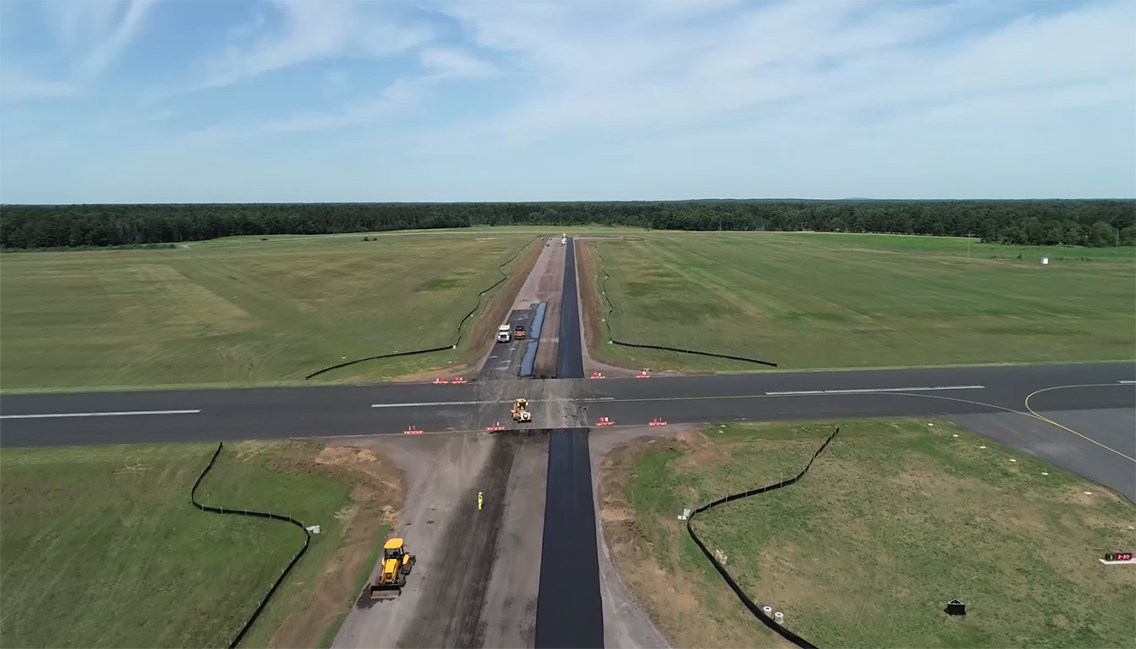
x,y
397,563
503,333
520,333
520,411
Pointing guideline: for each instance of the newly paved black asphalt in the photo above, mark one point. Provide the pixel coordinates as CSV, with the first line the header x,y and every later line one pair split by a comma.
x,y
570,359
569,611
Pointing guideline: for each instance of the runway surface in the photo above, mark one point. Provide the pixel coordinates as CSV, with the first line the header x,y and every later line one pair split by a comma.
x,y
265,413
569,609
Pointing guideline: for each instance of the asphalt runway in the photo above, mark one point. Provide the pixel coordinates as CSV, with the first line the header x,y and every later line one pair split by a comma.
x,y
570,361
569,611
272,413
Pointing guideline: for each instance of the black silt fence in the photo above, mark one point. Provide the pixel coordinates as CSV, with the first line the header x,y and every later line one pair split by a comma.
x,y
255,514
607,326
458,333
745,599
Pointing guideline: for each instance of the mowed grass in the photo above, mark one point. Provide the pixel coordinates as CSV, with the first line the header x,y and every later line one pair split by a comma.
x,y
839,301
102,548
897,518
241,312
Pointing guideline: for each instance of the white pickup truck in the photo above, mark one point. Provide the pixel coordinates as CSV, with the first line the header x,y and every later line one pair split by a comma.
x,y
503,333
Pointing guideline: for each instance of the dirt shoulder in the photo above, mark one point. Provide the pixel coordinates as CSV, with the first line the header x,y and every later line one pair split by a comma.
x,y
378,489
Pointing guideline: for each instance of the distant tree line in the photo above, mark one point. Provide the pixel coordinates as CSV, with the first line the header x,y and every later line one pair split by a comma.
x,y
1033,222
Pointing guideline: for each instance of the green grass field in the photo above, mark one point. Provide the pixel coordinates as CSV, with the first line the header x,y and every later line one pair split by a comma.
x,y
242,311
838,300
102,547
897,518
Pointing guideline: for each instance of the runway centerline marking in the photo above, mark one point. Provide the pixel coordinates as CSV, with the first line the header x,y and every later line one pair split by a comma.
x,y
872,390
429,404
1126,382
124,413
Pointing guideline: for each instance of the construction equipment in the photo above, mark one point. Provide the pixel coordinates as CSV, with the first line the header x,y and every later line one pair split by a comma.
x,y
503,333
520,411
397,563
520,333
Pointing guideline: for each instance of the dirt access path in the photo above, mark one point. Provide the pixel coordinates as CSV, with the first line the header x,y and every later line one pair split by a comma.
x,y
626,622
459,593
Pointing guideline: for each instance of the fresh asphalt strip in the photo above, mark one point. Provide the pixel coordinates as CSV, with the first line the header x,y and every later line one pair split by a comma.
x,y
569,608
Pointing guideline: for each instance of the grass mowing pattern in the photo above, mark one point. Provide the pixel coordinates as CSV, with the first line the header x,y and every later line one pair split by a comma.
x,y
895,520
102,548
240,312
437,285
827,301
607,328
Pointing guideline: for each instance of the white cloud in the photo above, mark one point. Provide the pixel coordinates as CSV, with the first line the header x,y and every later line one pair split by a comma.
x,y
393,100
647,67
15,84
91,35
312,31
452,63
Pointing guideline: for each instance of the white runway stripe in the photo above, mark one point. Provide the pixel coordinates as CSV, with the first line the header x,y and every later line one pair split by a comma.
x,y
125,413
873,390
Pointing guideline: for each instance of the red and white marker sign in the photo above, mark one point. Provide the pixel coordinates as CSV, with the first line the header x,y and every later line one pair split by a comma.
x,y
459,381
643,375
656,422
495,428
441,382
597,375
413,431
604,421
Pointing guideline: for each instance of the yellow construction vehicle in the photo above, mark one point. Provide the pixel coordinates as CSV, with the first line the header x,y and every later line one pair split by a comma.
x,y
397,563
520,411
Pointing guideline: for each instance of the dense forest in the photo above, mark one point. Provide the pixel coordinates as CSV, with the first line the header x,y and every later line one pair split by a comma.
x,y
1035,222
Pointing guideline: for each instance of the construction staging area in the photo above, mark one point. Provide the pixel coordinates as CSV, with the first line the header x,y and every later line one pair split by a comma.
x,y
501,514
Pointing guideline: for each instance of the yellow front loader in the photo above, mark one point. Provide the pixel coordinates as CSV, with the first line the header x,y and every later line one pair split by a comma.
x,y
397,563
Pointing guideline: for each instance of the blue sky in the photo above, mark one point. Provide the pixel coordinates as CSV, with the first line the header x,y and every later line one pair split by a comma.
x,y
320,100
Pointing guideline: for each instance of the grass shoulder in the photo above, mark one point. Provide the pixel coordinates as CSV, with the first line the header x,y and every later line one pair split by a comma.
x,y
895,519
102,547
249,312
811,301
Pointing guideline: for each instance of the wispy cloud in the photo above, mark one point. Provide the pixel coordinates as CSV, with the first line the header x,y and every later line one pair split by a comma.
x,y
664,69
393,100
660,97
300,32
92,36
450,63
